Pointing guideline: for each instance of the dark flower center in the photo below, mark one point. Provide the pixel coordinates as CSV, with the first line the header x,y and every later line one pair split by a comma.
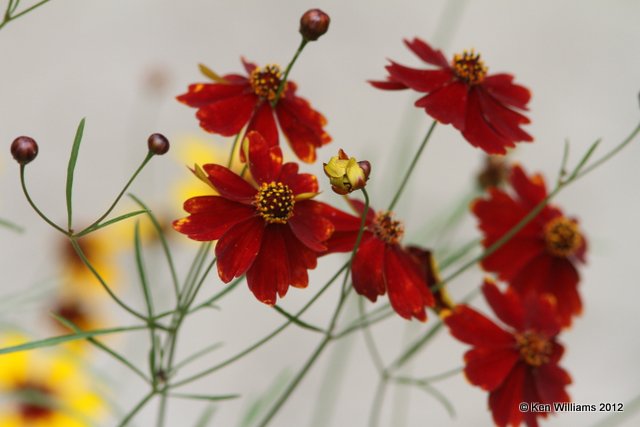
x,y
34,401
535,349
72,311
469,67
386,228
265,81
562,236
274,202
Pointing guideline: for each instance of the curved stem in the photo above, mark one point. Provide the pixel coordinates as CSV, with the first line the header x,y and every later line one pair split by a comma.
x,y
412,166
33,205
283,82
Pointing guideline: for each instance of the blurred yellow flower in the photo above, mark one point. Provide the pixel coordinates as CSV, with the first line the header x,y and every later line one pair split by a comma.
x,y
45,389
81,311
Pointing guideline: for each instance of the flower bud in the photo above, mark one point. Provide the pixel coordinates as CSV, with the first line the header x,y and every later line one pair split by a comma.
x,y
24,149
158,144
494,173
313,24
346,174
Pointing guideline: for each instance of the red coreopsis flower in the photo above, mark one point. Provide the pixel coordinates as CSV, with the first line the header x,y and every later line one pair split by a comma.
x,y
233,101
461,93
381,264
540,258
271,230
515,366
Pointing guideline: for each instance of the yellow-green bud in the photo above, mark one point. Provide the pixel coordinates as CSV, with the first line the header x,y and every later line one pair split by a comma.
x,y
346,174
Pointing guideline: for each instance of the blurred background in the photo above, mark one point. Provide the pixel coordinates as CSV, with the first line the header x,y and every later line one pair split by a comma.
x,y
121,63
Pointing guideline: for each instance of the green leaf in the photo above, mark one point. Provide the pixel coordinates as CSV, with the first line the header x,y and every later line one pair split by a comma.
x,y
110,222
206,397
206,416
71,168
11,226
48,342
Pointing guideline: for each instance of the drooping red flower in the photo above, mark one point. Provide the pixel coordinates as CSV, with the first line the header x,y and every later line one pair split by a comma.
x,y
428,268
481,106
540,258
381,264
270,230
518,365
233,101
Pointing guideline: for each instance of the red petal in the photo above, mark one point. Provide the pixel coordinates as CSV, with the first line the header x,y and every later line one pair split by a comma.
x,y
269,274
309,226
248,65
358,207
504,400
302,125
201,94
408,292
227,116
499,213
550,381
387,85
513,256
541,314
264,123
265,161
507,306
501,118
447,104
230,185
366,269
301,259
473,328
488,367
427,53
531,190
300,183
211,217
420,80
238,248
500,86
478,132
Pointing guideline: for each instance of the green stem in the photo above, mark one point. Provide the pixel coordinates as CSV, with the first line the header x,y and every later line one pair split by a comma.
x,y
378,402
412,166
370,342
136,409
33,205
283,82
233,149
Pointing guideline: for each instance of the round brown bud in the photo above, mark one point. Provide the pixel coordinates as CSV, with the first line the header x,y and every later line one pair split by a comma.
x,y
24,149
313,24
158,144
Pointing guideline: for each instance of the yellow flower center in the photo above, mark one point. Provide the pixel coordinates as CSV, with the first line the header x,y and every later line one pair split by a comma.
x,y
34,401
469,67
535,349
265,81
274,202
387,229
562,236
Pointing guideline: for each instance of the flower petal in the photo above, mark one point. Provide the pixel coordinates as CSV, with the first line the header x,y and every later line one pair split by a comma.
x,y
269,276
447,104
420,80
309,226
473,328
504,400
201,94
478,132
388,84
507,306
238,248
264,123
301,259
408,292
501,87
303,183
211,217
488,367
367,268
248,65
503,119
265,161
227,116
427,53
550,381
230,185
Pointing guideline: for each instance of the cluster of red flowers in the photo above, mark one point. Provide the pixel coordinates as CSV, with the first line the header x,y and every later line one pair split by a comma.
x,y
269,227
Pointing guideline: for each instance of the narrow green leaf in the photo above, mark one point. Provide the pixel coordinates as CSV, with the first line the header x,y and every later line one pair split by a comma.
x,y
197,355
11,226
206,397
585,159
71,168
141,271
110,222
206,416
47,342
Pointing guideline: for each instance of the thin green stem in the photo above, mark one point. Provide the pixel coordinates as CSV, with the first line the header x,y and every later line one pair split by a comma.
x,y
136,409
376,358
233,149
33,205
378,402
297,321
412,166
283,82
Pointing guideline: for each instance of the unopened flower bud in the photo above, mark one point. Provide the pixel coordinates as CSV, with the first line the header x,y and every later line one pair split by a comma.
x,y
494,173
313,24
346,174
158,144
24,149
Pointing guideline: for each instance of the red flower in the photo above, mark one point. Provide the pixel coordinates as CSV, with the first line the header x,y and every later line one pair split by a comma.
x,y
541,257
514,366
271,231
480,106
234,101
381,264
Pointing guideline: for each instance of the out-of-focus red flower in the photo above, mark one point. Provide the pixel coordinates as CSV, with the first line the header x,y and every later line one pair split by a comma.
x,y
540,258
481,106
233,101
515,366
429,270
271,230
381,264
